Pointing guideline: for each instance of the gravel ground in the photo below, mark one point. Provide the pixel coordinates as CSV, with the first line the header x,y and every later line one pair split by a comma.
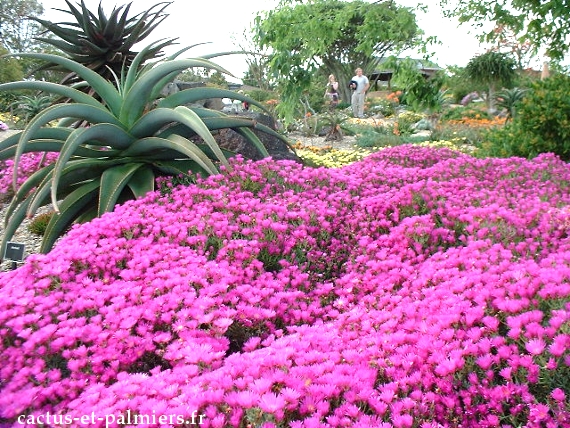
x,y
347,142
23,236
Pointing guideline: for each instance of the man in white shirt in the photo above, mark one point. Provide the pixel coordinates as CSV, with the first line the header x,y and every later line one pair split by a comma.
x,y
360,85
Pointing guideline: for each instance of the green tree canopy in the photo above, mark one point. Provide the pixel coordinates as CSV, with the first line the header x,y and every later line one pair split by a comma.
x,y
494,70
546,24
10,69
17,31
335,35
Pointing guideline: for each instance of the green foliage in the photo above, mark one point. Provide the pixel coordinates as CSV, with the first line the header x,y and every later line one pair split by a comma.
x,y
493,69
27,107
39,223
335,35
458,84
459,134
134,136
104,43
380,106
460,112
262,95
543,24
544,114
509,99
418,92
10,70
377,137
406,121
17,31
542,124
337,123
218,79
505,142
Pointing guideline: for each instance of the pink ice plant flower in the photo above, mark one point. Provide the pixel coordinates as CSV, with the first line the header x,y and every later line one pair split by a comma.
x,y
417,287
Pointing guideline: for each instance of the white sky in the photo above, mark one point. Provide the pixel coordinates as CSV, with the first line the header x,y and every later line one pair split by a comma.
x,y
223,22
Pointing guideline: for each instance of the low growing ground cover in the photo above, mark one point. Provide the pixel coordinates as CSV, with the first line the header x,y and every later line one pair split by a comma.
x,y
417,287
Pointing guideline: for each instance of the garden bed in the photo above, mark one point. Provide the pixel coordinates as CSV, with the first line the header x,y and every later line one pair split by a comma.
x,y
417,287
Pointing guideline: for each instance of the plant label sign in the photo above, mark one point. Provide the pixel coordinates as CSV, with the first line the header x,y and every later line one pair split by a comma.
x,y
14,251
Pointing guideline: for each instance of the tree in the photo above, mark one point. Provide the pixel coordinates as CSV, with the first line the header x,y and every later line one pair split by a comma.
x,y
257,73
10,70
544,24
507,42
17,30
493,69
336,35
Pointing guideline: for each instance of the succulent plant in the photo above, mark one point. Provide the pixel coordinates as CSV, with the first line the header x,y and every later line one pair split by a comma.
x,y
133,136
26,107
104,43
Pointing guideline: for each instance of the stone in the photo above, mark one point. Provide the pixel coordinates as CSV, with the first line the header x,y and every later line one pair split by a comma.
x,y
230,140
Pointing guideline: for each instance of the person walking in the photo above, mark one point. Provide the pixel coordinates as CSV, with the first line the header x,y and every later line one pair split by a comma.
x,y
332,92
359,84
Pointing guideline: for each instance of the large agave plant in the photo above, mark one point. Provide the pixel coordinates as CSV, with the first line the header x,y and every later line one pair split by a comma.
x,y
133,137
104,43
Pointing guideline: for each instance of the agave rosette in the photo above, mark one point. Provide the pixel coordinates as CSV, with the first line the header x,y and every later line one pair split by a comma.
x,y
103,43
133,136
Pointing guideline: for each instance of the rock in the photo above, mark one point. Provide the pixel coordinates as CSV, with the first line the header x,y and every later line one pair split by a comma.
x,y
279,150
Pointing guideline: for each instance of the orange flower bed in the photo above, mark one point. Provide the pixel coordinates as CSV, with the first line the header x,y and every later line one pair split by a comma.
x,y
478,122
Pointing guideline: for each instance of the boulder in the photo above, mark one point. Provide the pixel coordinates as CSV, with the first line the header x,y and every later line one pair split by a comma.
x,y
279,150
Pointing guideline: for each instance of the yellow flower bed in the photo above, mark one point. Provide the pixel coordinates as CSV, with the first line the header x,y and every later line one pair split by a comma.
x,y
330,158
453,145
5,117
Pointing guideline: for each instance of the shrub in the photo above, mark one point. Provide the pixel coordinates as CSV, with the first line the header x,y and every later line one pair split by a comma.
x,y
460,133
406,121
544,114
542,123
261,95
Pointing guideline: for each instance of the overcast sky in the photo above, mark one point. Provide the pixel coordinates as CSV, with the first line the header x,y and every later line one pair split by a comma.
x,y
223,22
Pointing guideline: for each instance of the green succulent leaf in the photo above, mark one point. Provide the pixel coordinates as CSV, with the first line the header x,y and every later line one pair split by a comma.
x,y
189,96
100,85
86,112
71,207
147,146
25,189
194,122
108,133
142,181
180,167
139,95
113,181
52,88
75,172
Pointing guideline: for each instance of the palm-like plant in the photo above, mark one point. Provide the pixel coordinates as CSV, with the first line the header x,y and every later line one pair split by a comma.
x,y
335,122
27,107
493,69
133,136
508,99
104,44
